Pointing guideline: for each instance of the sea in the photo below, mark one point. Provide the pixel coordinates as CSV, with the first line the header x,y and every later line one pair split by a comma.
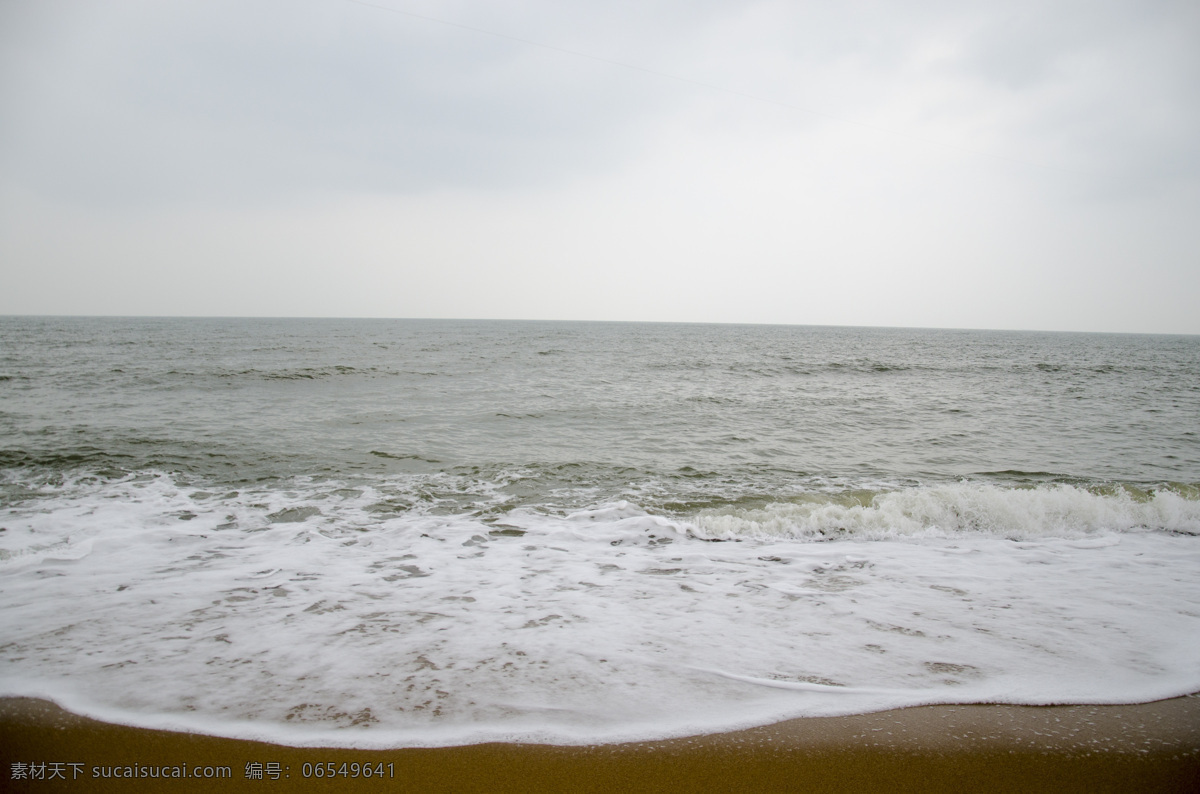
x,y
396,533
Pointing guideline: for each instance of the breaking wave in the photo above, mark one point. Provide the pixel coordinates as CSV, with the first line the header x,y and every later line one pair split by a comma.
x,y
964,508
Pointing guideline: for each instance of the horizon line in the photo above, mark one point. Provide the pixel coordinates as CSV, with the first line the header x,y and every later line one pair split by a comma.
x,y
581,321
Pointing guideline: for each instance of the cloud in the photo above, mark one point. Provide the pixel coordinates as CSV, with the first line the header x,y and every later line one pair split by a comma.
x,y
262,99
258,100
926,163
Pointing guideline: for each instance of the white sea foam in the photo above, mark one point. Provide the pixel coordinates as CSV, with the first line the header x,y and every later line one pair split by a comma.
x,y
306,615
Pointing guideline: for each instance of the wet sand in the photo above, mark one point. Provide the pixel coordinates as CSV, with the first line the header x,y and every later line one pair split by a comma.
x,y
1147,747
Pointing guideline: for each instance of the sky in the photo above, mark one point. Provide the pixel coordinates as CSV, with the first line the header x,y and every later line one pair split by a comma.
x,y
1008,165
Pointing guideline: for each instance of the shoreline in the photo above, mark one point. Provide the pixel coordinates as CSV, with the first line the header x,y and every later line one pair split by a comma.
x,y
1143,747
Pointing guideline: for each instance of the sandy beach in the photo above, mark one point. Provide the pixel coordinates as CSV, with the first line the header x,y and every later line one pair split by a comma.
x,y
1146,747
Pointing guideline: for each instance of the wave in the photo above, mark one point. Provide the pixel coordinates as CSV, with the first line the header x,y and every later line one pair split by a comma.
x,y
454,608
1019,513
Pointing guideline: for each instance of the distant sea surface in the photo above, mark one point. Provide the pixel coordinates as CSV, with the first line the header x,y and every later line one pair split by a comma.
x,y
418,532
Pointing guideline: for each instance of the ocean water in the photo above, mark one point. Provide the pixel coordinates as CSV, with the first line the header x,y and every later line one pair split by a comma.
x,y
402,533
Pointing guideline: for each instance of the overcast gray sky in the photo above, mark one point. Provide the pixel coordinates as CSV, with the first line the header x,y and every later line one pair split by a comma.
x,y
946,164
